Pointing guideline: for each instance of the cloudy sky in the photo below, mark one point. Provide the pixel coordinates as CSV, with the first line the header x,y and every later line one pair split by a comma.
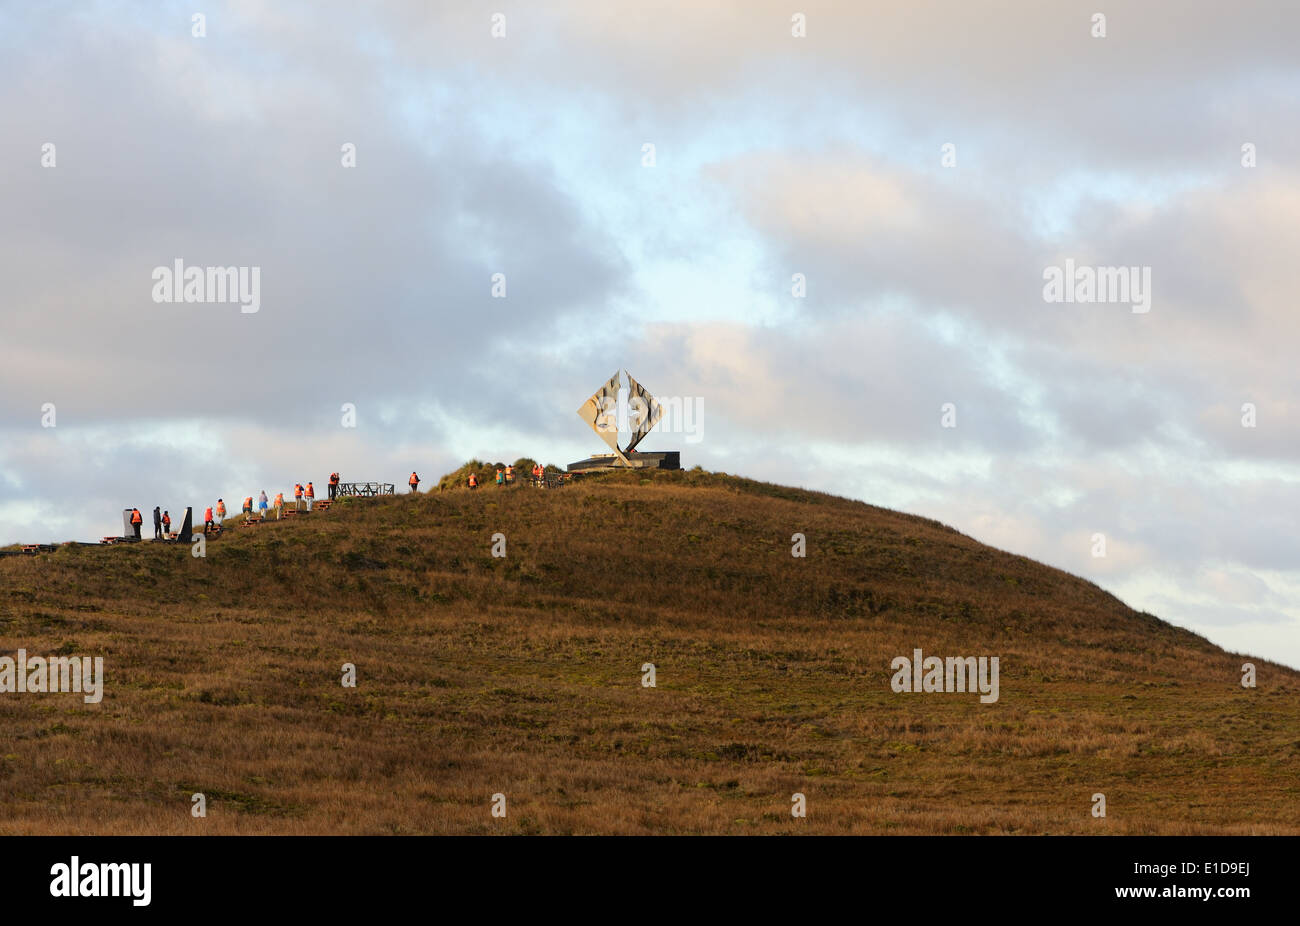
x,y
774,155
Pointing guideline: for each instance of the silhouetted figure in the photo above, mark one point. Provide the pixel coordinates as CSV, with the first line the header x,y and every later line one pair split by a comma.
x,y
157,523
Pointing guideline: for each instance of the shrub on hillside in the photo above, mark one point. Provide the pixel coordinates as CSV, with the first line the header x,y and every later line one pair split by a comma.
x,y
459,477
487,473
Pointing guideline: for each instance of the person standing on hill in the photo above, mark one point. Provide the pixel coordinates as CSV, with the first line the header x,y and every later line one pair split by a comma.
x,y
136,521
248,506
510,474
311,494
279,504
501,476
297,496
207,519
414,482
261,505
167,525
221,509
157,523
334,486
473,481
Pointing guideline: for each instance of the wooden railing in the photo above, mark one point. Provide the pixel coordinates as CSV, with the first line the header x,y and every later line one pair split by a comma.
x,y
364,489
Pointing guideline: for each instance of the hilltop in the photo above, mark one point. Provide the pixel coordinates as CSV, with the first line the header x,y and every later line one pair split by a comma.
x,y
522,675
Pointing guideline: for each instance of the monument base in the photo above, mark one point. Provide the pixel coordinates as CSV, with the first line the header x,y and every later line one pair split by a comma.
x,y
641,459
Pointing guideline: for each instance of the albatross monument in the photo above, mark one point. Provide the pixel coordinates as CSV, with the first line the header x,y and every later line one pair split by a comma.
x,y
643,413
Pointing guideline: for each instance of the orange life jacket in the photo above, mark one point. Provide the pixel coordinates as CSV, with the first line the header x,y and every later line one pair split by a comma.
x,y
414,479
473,480
334,479
248,502
135,516
297,491
207,515
279,500
311,492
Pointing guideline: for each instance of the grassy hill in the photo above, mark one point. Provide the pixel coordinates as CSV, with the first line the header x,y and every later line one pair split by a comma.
x,y
521,675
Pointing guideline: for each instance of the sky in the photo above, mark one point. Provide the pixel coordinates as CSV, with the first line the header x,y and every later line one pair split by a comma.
x,y
824,228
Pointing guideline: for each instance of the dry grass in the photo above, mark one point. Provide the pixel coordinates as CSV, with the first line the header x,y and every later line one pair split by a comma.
x,y
522,675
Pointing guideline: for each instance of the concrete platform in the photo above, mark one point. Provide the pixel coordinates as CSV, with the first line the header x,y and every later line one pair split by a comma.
x,y
641,459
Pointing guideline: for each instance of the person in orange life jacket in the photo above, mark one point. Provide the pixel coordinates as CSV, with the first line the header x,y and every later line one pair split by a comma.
x,y
207,519
473,481
311,495
510,473
167,524
297,496
279,504
221,509
414,482
136,521
334,486
248,506
537,473
501,477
